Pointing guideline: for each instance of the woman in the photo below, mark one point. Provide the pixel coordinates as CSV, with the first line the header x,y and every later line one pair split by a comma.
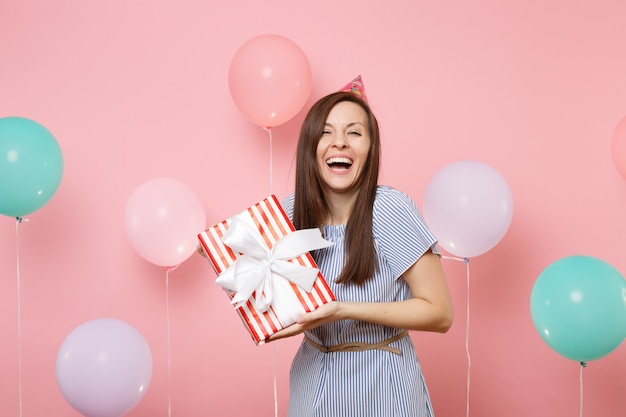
x,y
356,359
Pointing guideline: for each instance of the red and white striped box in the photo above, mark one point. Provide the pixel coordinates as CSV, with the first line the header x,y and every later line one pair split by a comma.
x,y
289,301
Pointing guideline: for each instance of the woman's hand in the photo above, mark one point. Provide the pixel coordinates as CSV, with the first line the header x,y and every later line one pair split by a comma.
x,y
430,309
326,313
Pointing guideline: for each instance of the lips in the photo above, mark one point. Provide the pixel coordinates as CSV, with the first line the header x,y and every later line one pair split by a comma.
x,y
339,162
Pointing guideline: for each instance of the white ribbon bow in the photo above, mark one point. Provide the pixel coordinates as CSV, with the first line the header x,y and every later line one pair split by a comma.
x,y
258,265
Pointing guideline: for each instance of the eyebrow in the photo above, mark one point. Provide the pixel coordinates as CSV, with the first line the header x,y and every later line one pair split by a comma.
x,y
351,124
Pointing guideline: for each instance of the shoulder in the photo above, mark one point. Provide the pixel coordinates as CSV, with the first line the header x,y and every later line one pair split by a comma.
x,y
395,211
398,229
389,198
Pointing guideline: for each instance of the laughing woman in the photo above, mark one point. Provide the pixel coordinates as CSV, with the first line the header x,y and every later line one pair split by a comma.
x,y
356,358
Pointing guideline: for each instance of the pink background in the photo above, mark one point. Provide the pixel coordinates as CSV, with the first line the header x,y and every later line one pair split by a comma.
x,y
135,90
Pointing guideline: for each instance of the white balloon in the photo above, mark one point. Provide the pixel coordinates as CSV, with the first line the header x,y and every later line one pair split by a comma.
x,y
468,206
104,367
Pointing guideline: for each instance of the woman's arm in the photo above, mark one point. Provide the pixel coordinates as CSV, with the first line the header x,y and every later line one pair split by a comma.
x,y
430,309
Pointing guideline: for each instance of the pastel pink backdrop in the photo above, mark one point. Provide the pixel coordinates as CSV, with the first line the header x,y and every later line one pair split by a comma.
x,y
139,90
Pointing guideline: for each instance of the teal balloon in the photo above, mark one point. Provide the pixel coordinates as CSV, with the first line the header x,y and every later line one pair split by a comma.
x,y
31,166
578,306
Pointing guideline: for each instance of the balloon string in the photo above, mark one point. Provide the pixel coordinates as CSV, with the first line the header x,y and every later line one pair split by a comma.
x,y
169,350
269,131
467,327
275,390
19,314
582,366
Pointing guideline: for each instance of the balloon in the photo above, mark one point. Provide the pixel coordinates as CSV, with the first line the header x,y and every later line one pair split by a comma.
x,y
103,368
163,218
468,206
31,166
269,79
618,147
578,306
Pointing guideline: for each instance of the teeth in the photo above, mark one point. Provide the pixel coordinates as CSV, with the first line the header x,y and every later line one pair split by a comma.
x,y
338,160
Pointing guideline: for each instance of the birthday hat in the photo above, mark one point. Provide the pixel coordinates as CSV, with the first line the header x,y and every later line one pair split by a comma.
x,y
356,87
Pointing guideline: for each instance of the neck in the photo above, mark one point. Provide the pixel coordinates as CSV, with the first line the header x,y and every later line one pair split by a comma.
x,y
340,206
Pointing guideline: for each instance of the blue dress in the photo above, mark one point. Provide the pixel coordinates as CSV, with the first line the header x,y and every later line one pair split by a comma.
x,y
370,383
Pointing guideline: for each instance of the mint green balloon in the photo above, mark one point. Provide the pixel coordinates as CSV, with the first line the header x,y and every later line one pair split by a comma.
x,y
31,166
578,306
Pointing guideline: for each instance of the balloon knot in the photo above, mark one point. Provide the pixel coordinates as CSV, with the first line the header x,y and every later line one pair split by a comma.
x,y
583,364
466,260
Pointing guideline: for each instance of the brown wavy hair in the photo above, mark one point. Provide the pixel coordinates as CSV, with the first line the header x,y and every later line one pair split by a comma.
x,y
310,207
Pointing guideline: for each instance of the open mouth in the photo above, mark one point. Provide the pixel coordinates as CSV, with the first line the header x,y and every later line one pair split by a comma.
x,y
339,162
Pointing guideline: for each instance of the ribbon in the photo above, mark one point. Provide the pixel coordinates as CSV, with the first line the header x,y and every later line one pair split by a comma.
x,y
258,266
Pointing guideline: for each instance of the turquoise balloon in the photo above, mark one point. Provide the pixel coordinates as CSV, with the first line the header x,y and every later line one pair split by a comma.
x,y
31,166
578,306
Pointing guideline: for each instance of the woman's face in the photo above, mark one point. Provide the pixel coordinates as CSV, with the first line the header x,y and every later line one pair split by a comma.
x,y
343,148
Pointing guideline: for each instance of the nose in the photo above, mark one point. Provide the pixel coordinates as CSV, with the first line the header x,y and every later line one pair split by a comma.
x,y
339,141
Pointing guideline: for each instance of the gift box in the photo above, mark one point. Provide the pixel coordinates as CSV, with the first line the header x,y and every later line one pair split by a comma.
x,y
265,267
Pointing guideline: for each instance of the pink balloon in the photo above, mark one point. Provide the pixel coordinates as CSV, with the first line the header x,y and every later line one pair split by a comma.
x,y
163,219
618,147
269,80
103,368
468,206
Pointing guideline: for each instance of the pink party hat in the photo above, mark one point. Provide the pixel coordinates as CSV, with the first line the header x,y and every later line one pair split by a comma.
x,y
356,87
